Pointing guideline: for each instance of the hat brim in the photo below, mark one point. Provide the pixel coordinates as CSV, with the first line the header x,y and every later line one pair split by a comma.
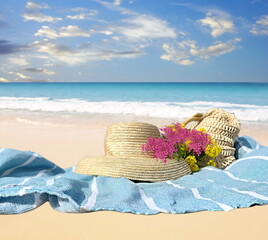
x,y
141,169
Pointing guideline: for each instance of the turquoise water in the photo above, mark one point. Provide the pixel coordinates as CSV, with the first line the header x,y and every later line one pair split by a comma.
x,y
249,101
247,93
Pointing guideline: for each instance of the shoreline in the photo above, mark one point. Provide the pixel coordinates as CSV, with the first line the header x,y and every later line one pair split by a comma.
x,y
88,119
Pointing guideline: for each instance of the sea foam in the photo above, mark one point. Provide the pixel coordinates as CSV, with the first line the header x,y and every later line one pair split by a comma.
x,y
180,110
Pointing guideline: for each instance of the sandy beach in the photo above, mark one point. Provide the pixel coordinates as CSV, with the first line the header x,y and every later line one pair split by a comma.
x,y
65,142
70,69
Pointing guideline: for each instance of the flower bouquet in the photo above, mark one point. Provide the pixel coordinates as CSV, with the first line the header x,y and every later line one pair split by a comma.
x,y
196,147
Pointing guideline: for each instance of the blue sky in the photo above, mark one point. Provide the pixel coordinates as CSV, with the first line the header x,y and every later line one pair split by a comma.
x,y
134,41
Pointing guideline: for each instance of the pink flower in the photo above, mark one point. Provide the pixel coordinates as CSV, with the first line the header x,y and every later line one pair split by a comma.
x,y
175,137
160,148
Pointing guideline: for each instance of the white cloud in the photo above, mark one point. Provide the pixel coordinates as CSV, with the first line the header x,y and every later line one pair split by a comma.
x,y
137,27
217,49
261,26
33,13
69,31
52,48
18,61
218,24
187,44
105,32
82,55
39,70
84,14
176,55
116,38
135,30
117,2
79,9
116,7
144,27
187,52
81,16
263,20
25,78
186,62
46,31
4,80
35,5
39,17
217,20
258,31
21,76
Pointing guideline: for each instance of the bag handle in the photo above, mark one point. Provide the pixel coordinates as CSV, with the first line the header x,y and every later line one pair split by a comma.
x,y
195,118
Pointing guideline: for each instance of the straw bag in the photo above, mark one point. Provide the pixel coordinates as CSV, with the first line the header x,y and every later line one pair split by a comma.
x,y
223,127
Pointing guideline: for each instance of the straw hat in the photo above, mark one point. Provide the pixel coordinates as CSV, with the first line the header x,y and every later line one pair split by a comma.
x,y
124,156
223,127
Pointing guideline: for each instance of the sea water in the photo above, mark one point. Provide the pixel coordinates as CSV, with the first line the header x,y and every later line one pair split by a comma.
x,y
248,101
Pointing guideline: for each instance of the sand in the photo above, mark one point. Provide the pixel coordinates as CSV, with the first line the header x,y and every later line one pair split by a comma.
x,y
64,143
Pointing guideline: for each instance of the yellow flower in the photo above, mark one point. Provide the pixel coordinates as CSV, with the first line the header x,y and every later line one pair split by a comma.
x,y
188,142
172,127
213,142
183,148
191,160
212,163
213,150
202,130
194,167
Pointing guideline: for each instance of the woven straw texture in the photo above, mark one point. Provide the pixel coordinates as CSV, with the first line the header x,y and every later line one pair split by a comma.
x,y
124,156
223,127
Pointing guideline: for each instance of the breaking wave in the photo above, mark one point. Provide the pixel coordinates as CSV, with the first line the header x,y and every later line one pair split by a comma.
x,y
245,112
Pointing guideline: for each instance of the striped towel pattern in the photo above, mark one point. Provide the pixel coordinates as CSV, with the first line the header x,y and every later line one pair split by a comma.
x,y
27,180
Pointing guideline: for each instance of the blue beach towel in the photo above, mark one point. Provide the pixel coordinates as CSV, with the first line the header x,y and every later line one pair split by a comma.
x,y
27,180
